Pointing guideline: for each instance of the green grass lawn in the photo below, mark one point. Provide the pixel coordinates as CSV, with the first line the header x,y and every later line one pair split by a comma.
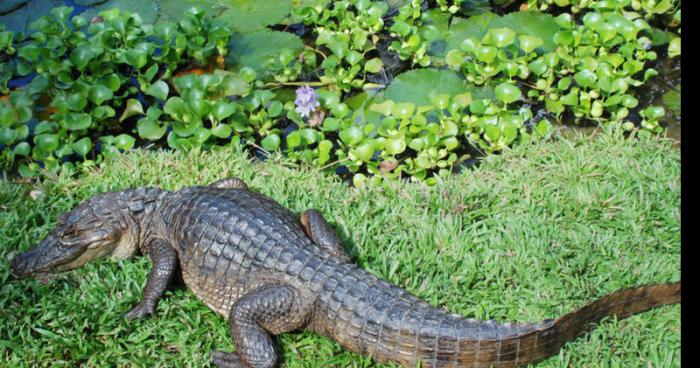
x,y
531,234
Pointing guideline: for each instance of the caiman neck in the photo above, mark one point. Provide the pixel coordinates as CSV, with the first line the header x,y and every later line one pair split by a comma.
x,y
137,212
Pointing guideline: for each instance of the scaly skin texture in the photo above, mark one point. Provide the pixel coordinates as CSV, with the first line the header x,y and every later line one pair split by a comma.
x,y
270,271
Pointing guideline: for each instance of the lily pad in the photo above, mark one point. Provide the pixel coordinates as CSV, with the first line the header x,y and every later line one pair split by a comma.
x,y
253,49
472,27
301,4
20,19
146,9
252,15
88,2
7,6
537,24
173,9
417,86
241,15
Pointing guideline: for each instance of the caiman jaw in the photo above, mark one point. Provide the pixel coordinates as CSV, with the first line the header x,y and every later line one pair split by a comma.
x,y
48,255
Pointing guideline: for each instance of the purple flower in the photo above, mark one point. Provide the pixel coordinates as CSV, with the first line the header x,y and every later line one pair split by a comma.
x,y
306,101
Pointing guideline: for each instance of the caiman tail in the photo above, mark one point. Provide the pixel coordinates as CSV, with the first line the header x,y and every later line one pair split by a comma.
x,y
371,316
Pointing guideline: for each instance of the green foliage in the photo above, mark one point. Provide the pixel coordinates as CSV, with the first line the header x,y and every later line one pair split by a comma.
x,y
418,86
7,51
19,19
108,83
275,56
90,72
588,69
348,30
146,9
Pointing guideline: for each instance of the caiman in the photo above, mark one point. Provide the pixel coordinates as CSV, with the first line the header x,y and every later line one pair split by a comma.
x,y
269,271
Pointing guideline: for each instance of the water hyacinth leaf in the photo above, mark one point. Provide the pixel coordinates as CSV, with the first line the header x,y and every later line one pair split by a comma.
x,y
271,142
77,121
501,37
394,146
222,109
136,57
175,107
351,135
586,78
133,107
383,108
487,54
294,140
529,43
158,90
674,47
221,131
455,58
7,136
124,142
403,110
324,149
373,65
76,102
82,146
45,142
103,112
81,56
150,129
564,38
363,152
22,149
111,81
30,53
653,112
99,94
234,85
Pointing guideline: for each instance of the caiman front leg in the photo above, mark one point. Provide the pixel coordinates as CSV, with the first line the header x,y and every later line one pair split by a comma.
x,y
254,319
164,261
318,230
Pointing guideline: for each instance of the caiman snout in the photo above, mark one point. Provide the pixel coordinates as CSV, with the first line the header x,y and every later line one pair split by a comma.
x,y
48,255
19,267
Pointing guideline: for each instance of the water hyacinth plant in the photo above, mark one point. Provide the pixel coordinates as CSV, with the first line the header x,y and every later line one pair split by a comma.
x,y
380,89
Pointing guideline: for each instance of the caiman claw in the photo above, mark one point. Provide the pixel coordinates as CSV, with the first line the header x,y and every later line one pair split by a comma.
x,y
140,311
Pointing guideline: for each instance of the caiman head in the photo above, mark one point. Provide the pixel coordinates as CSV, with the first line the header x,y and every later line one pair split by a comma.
x,y
106,225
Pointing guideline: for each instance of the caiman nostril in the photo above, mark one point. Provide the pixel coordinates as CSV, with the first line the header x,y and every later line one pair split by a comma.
x,y
17,265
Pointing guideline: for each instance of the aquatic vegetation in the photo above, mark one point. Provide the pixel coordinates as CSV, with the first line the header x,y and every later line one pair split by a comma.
x,y
379,89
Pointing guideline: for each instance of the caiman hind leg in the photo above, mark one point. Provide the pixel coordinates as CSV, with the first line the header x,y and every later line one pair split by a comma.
x,y
164,261
255,318
229,183
318,230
